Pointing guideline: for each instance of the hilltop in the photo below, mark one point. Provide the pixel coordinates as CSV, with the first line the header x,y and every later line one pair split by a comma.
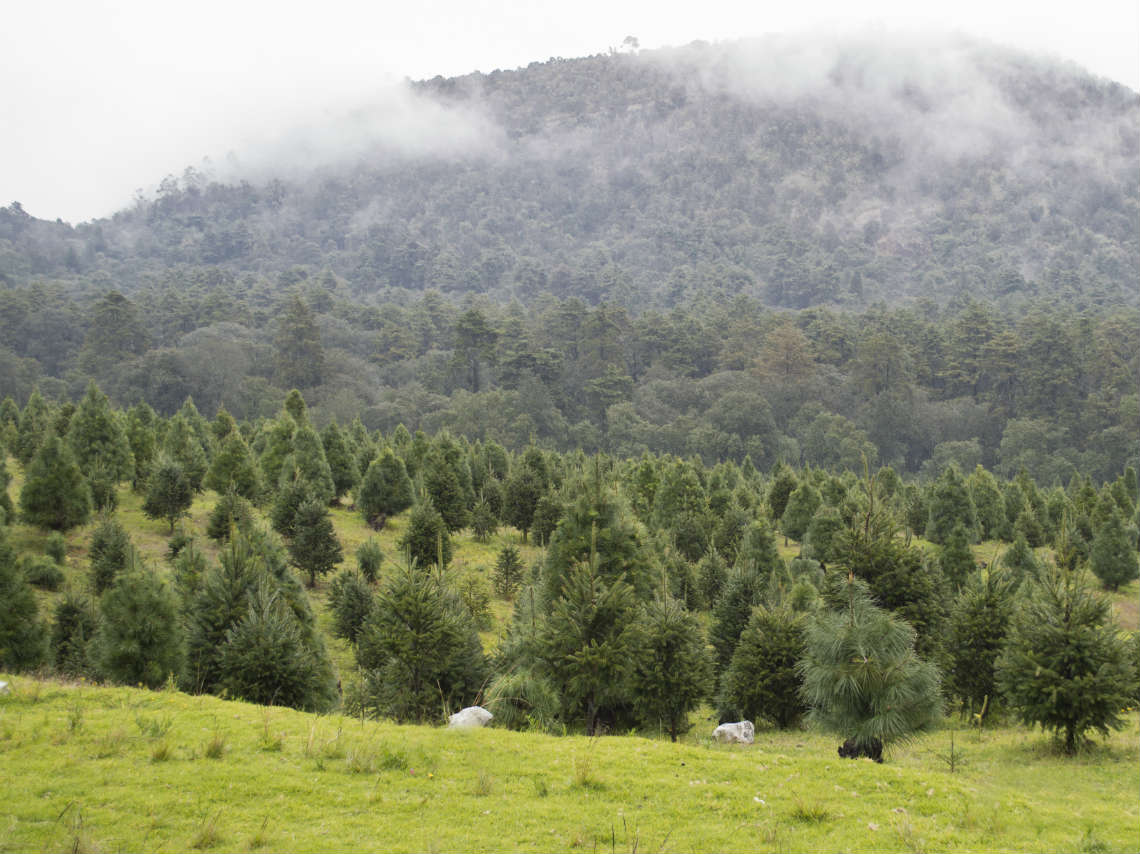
x,y
799,172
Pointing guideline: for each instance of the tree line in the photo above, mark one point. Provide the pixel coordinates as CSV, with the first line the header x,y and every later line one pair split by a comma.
x,y
608,626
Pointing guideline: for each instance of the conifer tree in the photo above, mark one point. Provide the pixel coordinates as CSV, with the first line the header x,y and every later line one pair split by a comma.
x,y
1020,560
950,505
484,522
730,530
757,550
110,552
1113,559
230,513
289,498
597,522
314,547
139,640
23,637
96,437
341,460
672,672
712,573
547,514
956,560
426,538
508,571
265,658
369,558
819,539
977,628
182,446
761,681
169,494
278,447
72,632
300,356
386,488
351,601
798,513
780,490
731,611
587,643
419,651
988,503
140,428
55,494
862,679
233,469
311,466
443,487
520,498
1065,665
35,424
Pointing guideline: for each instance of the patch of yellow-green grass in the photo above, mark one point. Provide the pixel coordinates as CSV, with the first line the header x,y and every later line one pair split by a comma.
x,y
92,768
1126,606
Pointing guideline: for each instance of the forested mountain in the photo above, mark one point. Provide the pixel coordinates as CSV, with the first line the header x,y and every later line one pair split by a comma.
x,y
807,251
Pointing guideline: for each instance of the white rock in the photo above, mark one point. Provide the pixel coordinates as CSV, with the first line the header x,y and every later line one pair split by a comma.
x,y
472,716
4,689
741,732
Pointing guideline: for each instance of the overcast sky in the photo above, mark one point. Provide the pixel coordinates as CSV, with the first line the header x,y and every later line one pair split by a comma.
x,y
101,97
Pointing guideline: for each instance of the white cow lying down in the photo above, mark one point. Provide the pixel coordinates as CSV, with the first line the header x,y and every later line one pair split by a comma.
x,y
472,716
741,732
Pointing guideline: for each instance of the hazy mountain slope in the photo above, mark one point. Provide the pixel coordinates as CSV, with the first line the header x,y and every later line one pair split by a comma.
x,y
802,172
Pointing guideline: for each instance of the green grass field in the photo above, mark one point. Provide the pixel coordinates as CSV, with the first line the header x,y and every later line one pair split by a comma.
x,y
110,769
90,768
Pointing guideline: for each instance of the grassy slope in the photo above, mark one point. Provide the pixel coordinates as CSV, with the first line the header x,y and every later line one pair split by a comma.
x,y
128,769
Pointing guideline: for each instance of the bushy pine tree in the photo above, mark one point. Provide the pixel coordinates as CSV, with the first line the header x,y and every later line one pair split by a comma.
x,y
351,601
369,558
109,552
1113,559
97,437
977,628
508,572
484,522
266,660
386,488
35,424
230,513
73,629
55,494
862,679
419,651
819,539
1065,664
801,507
780,490
426,539
732,610
233,468
587,642
23,637
761,681
597,522
712,573
314,547
443,487
182,445
547,514
169,493
956,560
140,427
672,670
139,641
341,460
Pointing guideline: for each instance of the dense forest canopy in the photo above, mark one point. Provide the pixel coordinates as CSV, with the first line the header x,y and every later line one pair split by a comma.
x,y
808,252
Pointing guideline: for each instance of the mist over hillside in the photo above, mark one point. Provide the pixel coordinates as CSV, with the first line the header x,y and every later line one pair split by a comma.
x,y
799,171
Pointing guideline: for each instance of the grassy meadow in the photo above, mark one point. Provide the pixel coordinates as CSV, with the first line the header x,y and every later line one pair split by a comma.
x,y
91,768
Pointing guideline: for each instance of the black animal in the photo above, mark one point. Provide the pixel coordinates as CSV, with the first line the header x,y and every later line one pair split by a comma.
x,y
850,750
